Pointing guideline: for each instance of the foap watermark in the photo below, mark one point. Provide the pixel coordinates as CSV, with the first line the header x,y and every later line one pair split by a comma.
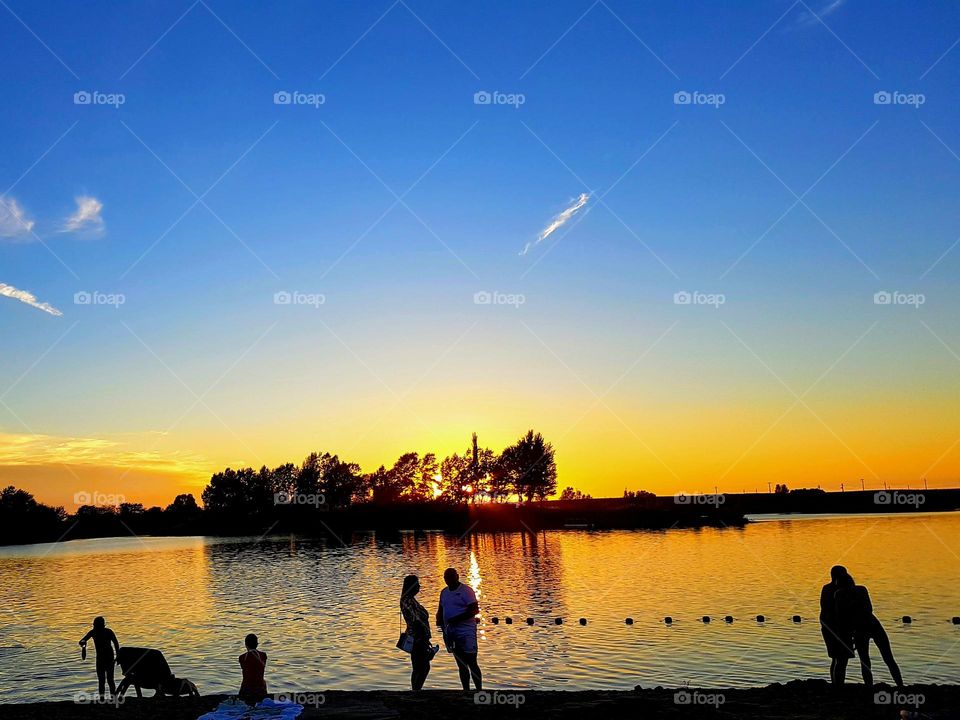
x,y
715,499
485,97
498,699
685,297
883,697
483,297
96,297
95,97
695,97
307,699
85,698
295,97
895,498
295,297
95,497
895,297
695,697
895,97
285,498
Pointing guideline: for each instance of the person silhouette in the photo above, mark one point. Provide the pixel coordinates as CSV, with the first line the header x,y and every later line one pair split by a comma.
x,y
855,613
838,641
104,640
253,662
418,627
457,618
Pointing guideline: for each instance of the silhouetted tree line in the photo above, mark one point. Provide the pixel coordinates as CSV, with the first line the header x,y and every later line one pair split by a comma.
x,y
526,470
288,496
24,520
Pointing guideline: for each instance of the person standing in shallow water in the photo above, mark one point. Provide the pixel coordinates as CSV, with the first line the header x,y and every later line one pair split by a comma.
x,y
104,640
855,612
253,663
839,642
418,627
457,618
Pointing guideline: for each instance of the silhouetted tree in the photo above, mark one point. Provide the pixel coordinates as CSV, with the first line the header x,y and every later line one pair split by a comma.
x,y
455,475
531,467
569,493
183,504
341,482
23,519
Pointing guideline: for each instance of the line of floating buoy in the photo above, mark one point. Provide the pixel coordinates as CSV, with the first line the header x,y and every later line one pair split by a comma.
x,y
705,619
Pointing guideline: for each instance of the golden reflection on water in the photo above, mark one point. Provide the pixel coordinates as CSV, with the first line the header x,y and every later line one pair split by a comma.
x,y
327,614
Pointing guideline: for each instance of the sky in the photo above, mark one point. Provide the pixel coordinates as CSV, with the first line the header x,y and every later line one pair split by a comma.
x,y
695,245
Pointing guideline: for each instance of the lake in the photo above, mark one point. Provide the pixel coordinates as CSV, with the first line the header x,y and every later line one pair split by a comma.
x,y
327,612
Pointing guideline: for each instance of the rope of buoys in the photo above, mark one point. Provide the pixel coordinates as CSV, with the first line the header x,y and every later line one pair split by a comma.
x,y
705,619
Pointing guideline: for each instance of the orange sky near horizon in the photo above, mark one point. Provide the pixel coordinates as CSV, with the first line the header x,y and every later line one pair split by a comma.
x,y
600,450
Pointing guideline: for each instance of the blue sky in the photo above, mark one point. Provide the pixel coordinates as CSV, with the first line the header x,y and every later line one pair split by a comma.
x,y
682,197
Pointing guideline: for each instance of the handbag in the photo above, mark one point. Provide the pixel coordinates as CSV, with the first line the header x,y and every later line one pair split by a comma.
x,y
405,642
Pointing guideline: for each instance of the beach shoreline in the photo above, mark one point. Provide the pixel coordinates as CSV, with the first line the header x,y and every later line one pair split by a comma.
x,y
802,699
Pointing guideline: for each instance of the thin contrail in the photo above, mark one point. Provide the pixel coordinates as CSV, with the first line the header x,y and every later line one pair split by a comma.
x,y
557,222
29,298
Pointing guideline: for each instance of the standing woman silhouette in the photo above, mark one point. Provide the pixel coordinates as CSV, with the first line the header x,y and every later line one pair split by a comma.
x,y
418,627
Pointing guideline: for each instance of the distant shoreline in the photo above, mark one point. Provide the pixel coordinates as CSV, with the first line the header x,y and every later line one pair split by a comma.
x,y
798,699
646,512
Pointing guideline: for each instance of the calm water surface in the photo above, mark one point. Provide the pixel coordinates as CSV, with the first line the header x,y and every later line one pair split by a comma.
x,y
327,613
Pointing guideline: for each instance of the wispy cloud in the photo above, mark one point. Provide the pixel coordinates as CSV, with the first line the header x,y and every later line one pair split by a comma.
x,y
807,17
557,222
13,218
23,449
29,298
86,216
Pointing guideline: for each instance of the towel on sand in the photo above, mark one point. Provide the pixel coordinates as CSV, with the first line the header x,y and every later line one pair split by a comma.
x,y
235,709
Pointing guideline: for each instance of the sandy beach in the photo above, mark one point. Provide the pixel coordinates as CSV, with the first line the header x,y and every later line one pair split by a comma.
x,y
803,699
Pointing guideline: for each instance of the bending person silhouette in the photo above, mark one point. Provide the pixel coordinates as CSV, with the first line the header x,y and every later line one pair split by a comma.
x,y
457,617
838,640
855,612
418,627
104,640
253,662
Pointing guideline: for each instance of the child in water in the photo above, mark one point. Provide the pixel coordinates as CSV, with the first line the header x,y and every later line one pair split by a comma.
x,y
253,662
104,640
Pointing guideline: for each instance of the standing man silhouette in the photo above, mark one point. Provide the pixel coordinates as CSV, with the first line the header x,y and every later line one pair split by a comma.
x,y
457,619
837,638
